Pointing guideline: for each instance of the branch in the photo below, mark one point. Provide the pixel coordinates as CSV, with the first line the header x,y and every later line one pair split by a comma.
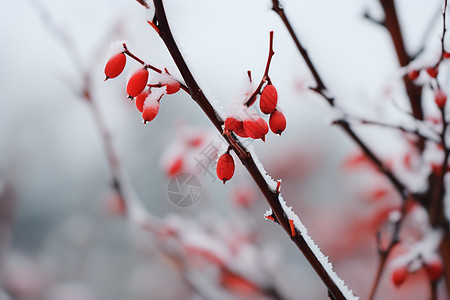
x,y
345,126
413,91
302,240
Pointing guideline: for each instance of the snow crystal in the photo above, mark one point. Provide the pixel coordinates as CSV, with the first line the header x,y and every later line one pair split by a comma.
x,y
153,98
114,48
425,248
328,267
271,183
163,78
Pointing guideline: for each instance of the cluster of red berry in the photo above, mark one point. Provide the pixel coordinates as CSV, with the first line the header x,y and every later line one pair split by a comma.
x,y
147,95
433,269
250,125
439,96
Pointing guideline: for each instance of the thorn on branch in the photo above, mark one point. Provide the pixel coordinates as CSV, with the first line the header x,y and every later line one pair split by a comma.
x,y
292,227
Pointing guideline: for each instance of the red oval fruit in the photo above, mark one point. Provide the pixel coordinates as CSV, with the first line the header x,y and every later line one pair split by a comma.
x,y
277,122
434,269
175,167
172,87
269,99
151,109
236,126
137,82
256,128
446,54
140,99
433,72
225,167
413,74
115,65
440,98
399,275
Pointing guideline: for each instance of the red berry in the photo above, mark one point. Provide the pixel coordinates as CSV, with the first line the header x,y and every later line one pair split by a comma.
x,y
440,98
446,54
433,72
225,167
175,167
140,99
277,122
413,74
256,128
434,269
399,275
236,126
137,82
268,100
151,109
172,87
115,65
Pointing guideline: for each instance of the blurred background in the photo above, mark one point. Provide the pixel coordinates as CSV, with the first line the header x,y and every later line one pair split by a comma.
x,y
62,235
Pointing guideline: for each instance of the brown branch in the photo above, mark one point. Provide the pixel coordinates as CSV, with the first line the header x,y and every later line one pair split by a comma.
x,y
265,77
247,160
415,131
345,126
414,92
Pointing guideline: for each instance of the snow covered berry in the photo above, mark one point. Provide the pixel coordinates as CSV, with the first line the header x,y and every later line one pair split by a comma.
x,y
440,98
137,82
433,72
413,74
277,122
256,128
140,99
399,275
150,109
434,269
225,167
236,126
115,65
172,87
268,100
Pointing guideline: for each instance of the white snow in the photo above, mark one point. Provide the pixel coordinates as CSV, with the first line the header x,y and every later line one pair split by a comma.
x,y
153,98
114,48
315,249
